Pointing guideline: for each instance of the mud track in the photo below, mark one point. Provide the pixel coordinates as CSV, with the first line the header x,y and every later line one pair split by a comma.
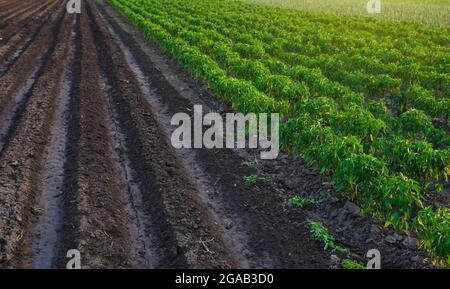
x,y
15,21
86,162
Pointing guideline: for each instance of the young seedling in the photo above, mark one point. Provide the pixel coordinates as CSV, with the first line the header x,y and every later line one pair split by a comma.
x,y
303,202
252,179
320,233
250,163
351,264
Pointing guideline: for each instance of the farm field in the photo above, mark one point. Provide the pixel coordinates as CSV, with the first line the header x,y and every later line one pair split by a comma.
x,y
433,12
86,159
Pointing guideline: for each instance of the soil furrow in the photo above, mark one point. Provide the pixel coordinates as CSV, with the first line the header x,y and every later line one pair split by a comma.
x,y
170,195
49,224
235,234
67,236
12,111
22,161
11,7
11,22
142,235
94,212
12,46
7,5
12,81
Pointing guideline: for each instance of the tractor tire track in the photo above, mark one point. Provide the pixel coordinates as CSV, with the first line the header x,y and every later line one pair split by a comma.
x,y
13,45
49,223
94,220
16,21
171,197
12,7
22,160
13,98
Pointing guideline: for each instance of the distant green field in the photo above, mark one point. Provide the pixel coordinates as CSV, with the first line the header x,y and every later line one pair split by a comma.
x,y
433,12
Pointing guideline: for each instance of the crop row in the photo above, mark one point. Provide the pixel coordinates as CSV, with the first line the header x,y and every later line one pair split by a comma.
x,y
344,59
251,45
280,85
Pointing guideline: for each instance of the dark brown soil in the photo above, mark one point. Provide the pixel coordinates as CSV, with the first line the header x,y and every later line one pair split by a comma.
x,y
99,232
23,36
15,74
170,196
15,20
12,8
21,159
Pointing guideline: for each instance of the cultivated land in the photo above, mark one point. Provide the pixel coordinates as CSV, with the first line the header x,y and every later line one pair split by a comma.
x,y
86,160
433,12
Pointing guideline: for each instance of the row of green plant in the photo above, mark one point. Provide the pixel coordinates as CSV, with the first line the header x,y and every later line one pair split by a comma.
x,y
431,12
294,92
323,41
250,69
299,41
347,142
276,84
422,99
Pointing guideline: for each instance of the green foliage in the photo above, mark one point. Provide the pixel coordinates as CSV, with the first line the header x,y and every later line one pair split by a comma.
x,y
303,202
359,174
417,160
250,163
432,12
253,179
359,122
399,197
352,264
378,108
414,121
434,231
320,233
